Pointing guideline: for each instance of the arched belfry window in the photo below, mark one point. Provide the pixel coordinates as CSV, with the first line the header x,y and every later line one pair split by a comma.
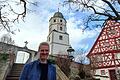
x,y
54,20
60,37
61,28
60,20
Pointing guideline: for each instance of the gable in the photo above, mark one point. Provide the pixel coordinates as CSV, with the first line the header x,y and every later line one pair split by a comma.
x,y
106,49
108,40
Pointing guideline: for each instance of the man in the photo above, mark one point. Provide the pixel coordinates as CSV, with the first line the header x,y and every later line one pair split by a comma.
x,y
40,69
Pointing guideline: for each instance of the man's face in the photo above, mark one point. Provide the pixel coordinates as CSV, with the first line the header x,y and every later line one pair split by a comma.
x,y
44,52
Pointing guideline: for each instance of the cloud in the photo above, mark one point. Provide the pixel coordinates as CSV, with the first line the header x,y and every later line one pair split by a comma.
x,y
79,39
35,28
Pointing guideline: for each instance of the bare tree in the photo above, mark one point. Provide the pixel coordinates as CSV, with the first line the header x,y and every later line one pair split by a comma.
x,y
84,69
98,10
12,11
6,38
80,53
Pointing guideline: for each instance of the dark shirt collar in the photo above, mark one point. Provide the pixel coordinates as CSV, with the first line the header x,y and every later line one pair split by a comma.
x,y
38,62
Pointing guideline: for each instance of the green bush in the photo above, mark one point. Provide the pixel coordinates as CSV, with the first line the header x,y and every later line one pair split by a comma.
x,y
3,57
51,61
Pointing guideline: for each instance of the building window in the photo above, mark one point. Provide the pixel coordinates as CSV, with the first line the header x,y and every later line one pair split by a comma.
x,y
54,20
60,37
119,41
102,72
61,28
60,20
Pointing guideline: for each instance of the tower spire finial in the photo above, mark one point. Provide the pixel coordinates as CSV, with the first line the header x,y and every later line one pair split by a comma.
x,y
58,6
58,9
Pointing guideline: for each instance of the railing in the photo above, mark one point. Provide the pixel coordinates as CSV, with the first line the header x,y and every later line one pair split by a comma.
x,y
60,74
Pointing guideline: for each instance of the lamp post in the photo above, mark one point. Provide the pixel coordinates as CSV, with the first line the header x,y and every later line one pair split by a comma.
x,y
70,50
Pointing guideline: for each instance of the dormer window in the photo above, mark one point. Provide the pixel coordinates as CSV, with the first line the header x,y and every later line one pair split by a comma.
x,y
54,20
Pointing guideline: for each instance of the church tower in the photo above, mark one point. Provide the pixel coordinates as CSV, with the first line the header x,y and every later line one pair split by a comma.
x,y
58,38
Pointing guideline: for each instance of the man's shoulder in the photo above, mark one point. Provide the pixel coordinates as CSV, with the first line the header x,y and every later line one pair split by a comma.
x,y
52,65
31,63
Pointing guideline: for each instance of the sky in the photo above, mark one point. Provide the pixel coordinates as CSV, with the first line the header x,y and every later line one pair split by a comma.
x,y
35,28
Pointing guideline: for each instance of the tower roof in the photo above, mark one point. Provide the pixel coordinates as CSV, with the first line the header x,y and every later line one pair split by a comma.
x,y
58,14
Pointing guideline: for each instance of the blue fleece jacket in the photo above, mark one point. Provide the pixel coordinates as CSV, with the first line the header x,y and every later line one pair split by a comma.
x,y
31,71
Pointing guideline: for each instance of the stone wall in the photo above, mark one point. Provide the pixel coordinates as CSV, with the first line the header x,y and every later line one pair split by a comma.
x,y
74,70
4,69
80,71
6,62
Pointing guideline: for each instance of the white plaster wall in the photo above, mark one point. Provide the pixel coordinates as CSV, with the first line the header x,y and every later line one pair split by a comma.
x,y
59,49
50,36
65,38
58,46
98,72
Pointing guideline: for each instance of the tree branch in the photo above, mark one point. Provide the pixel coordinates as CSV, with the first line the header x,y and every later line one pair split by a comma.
x,y
4,22
113,9
23,13
108,15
